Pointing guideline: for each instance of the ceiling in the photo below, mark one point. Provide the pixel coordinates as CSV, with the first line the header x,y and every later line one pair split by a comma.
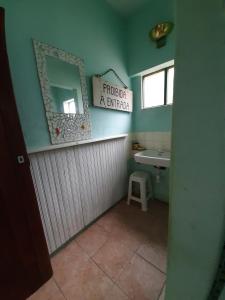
x,y
126,7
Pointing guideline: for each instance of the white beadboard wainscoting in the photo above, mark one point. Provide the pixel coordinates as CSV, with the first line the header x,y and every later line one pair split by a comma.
x,y
75,185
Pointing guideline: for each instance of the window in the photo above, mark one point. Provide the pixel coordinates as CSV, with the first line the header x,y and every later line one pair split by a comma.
x,y
158,88
69,106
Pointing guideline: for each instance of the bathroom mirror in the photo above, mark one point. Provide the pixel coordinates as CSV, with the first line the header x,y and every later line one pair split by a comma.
x,y
65,86
64,92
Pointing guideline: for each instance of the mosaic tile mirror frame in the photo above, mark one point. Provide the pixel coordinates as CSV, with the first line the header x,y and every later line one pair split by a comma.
x,y
64,92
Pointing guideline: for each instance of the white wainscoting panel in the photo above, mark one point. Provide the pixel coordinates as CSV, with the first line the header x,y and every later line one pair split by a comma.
x,y
103,176
75,185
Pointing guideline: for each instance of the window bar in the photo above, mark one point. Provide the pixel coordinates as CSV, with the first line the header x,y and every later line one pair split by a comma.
x,y
165,87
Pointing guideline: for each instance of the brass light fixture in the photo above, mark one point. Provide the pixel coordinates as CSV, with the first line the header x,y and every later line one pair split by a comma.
x,y
159,33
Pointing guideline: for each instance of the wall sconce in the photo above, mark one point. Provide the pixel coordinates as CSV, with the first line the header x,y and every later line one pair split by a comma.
x,y
159,33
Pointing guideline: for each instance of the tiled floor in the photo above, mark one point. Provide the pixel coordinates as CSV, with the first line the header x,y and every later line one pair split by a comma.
x,y
121,256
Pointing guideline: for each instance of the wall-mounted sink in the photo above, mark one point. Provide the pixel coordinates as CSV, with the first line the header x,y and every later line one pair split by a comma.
x,y
153,157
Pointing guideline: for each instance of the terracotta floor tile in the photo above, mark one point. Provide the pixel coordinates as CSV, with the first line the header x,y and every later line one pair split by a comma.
x,y
92,239
140,280
113,257
49,291
109,221
155,225
120,215
155,253
162,295
134,218
116,294
131,238
129,214
90,284
111,242
68,262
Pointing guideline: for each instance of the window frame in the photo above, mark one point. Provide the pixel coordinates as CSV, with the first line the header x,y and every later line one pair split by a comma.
x,y
165,69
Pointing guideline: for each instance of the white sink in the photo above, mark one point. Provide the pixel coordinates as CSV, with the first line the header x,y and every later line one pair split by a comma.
x,y
153,157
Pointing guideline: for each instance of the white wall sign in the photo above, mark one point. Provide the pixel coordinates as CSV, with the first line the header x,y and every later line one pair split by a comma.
x,y
110,96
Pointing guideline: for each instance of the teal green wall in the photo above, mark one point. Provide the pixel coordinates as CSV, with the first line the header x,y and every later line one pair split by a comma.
x,y
142,55
151,119
154,119
88,29
197,204
142,52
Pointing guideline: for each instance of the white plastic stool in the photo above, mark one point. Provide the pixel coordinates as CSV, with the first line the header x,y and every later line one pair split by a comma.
x,y
145,189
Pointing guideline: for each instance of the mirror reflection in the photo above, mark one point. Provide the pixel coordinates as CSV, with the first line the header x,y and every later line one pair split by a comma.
x,y
65,86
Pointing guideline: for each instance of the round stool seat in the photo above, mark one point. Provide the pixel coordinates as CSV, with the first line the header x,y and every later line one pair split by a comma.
x,y
139,176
